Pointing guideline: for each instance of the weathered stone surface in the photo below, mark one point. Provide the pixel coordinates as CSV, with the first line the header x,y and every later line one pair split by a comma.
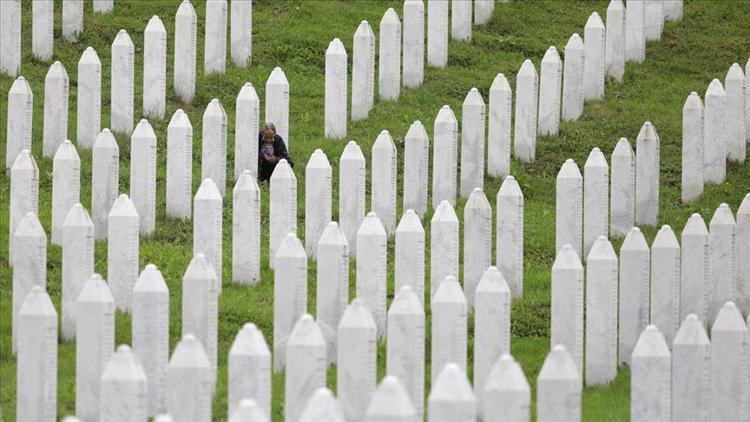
x,y
29,265
413,43
305,366
569,207
499,127
721,260
283,194
477,242
635,35
249,371
437,33
389,66
507,396
123,388
651,377
550,85
449,327
10,37
445,157
103,6
356,364
694,269
200,306
742,251
635,296
363,71
672,10
42,29
729,344
247,121
185,39
143,175
483,11
215,38
451,397
24,194
189,382
558,388
443,245
246,230
351,192
647,176
410,254
384,180
66,186
214,145
510,234
601,314
524,138
154,68
179,166
247,411
105,183
624,186
372,268
461,20
566,322
747,101
472,142
714,134
336,82
692,148
277,103
735,117
665,283
55,107
691,366
595,199
391,403
77,264
122,84
322,406
89,95
594,67
654,22
122,251
416,168
207,230
20,120
289,295
72,19
332,289
572,94
614,58
241,32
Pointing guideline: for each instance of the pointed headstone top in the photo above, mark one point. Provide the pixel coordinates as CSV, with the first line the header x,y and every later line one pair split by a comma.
x,y
492,281
66,151
322,406
570,170
390,16
715,88
507,375
186,9
478,200
277,77
500,83
24,161
123,365
332,235
449,291
695,225
306,332
249,342
616,5
364,30
634,241
357,315
691,332
551,55
199,269
410,222
559,365
95,290
602,250
735,73
693,102
371,225
444,212
406,302
123,206
596,159
391,399
623,148
248,411
575,42
208,191
214,109
291,247
452,385
723,215
384,141
651,343
144,130
246,181
155,25
318,159
744,207
29,226
105,140
57,70
527,69
283,171
37,303
567,258
473,98
20,86
336,47
247,92
150,280
648,132
122,38
416,131
445,115
189,353
729,318
352,151
595,21
89,56
180,119
510,187
665,238
78,217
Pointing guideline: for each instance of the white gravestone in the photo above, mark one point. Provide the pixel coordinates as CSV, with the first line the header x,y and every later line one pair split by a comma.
x,y
614,57
55,107
322,406
594,67
524,137
413,43
572,91
24,194
150,333
735,117
215,38
247,411
665,283
179,166
246,230
283,207
691,372
200,305
214,145
694,269
363,71
622,195
507,395
123,388
692,148
672,10
351,192
383,180
185,39
595,199
449,327
558,394
405,348
647,176
189,382
714,134
122,251
635,31
569,207
154,68
472,142
651,377
72,19
247,121
483,11
451,397
729,348
372,269
207,229
443,245
437,33
410,254
20,120
42,29
277,103
305,366
241,32
122,83
499,127
77,264
491,326
10,37
601,314
634,292
332,289
550,85
249,370
290,293
105,182
356,363
391,403
389,65
29,266
477,242
721,260
742,251
654,23
103,6
461,20
747,101
566,321
66,187
445,157
416,168
95,343
143,175
336,81
89,94
36,362
509,211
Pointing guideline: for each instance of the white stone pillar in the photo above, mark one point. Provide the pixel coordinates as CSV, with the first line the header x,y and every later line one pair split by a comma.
x,y
143,175
363,71
247,122
595,199
634,292
389,66
472,142
356,364
122,251
215,38
477,242
214,145
241,32
647,176
527,89
105,183
416,168
185,39
306,366
413,43
624,177
336,82
509,212
558,388
672,10
277,103
249,370
42,29
721,260
449,326
461,20
283,207
437,33
566,321
290,293
372,268
451,397
443,245
729,344
594,66
323,405
569,207
200,306
550,85
714,134
246,230
691,372
247,411
29,265
654,23
735,117
665,283
694,269
179,166
507,395
66,186
207,231
405,348
692,148
410,254
10,37
483,11
391,403
24,194
635,27
747,101
651,378
383,180
122,83
72,19
55,108
742,251
445,156
572,95
77,264
123,388
20,120
103,6
601,309
36,362
154,68
332,289
351,192
89,95
614,57
188,383
499,127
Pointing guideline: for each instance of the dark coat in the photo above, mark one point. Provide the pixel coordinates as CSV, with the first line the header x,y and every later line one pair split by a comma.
x,y
265,169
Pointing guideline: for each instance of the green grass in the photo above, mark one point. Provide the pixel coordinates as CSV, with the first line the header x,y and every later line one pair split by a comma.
x,y
294,35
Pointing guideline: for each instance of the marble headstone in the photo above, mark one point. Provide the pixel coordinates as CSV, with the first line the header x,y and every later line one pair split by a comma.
x,y
550,85
509,214
694,269
524,138
123,388
601,312
29,265
289,295
241,32
24,194
654,23
246,228
444,243
179,166
391,403
363,71
351,192
742,251
472,142
416,169
461,20
437,33
445,157
143,148
55,107
624,186
714,134
305,366
499,127
247,411
277,103
185,40
10,37
122,251
214,145
356,364
410,254
595,199
72,19
372,268
572,91
66,187
477,242
89,95
105,182
247,121
566,321
122,84
103,6
207,230
614,58
249,370
558,388
569,207
665,282
735,117
451,397
651,377
188,382
77,264
483,11
384,180
634,292
332,289
154,68
721,260
200,305
449,327
389,66
635,35
215,38
692,148
336,82
729,345
594,66
691,366
322,406
20,120
506,395
283,207
413,48
647,176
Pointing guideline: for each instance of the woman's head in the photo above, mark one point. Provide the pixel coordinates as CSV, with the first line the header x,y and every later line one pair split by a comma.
x,y
269,130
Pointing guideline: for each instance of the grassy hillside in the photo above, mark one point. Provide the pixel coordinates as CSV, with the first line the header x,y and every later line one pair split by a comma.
x,y
294,35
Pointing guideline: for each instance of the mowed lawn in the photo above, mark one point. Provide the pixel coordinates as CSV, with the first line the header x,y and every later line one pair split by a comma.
x,y
294,35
